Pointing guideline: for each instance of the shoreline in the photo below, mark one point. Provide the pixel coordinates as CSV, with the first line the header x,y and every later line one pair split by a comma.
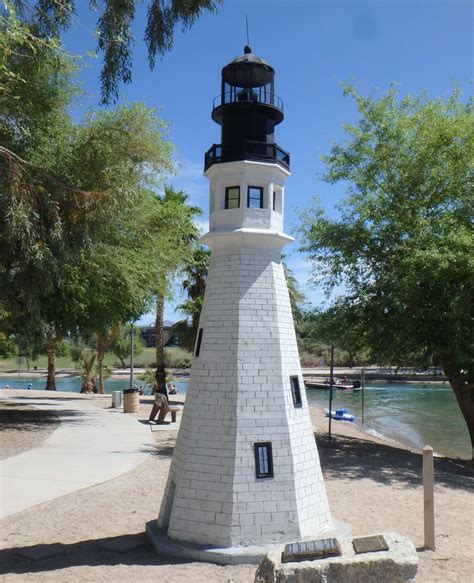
x,y
183,374
319,420
353,429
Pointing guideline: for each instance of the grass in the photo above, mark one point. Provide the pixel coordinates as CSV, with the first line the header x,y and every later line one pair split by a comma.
x,y
145,359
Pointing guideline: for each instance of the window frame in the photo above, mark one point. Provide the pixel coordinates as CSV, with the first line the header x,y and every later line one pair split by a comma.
x,y
197,350
258,473
260,189
226,203
296,391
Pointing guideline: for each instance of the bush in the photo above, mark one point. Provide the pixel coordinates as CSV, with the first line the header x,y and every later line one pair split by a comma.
x,y
177,358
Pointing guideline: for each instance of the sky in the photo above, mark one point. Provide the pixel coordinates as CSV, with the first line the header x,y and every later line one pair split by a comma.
x,y
313,45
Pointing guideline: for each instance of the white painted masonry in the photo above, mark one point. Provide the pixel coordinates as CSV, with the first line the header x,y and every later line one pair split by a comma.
x,y
239,390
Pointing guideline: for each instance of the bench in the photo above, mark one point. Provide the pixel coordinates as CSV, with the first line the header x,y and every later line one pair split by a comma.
x,y
161,405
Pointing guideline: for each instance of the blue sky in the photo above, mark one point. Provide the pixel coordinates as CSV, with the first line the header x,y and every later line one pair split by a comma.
x,y
313,46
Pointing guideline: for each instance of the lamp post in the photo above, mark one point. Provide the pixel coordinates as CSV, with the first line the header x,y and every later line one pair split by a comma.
x,y
131,355
331,384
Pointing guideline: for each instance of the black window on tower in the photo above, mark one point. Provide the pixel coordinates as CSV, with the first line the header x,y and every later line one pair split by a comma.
x,y
198,343
232,197
296,391
255,197
263,460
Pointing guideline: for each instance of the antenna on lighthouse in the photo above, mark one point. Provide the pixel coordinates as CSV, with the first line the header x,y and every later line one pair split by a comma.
x,y
247,25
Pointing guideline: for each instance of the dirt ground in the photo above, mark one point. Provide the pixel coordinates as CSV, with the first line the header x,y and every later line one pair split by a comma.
x,y
97,534
23,427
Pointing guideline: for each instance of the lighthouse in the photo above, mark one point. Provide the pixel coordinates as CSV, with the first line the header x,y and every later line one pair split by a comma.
x,y
245,472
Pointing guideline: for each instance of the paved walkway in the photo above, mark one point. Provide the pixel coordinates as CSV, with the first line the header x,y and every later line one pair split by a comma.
x,y
90,446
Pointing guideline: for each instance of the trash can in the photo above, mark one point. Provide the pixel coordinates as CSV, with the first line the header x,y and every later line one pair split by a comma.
x,y
131,401
116,399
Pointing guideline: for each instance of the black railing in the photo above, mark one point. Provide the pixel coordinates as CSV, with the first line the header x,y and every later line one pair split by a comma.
x,y
257,151
254,95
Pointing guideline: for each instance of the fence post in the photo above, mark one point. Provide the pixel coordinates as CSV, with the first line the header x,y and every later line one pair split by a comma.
x,y
428,498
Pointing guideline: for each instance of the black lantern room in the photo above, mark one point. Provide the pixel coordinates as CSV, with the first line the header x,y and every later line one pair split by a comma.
x,y
248,111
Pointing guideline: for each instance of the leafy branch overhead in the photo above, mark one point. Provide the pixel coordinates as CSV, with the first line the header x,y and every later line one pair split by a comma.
x,y
115,37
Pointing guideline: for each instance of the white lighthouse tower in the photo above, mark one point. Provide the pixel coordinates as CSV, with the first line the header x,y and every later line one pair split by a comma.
x,y
245,471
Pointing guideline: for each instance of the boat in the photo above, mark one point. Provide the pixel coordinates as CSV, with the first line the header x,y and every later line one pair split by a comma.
x,y
340,415
338,384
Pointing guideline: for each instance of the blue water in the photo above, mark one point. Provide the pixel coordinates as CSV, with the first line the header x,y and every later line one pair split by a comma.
x,y
73,384
414,415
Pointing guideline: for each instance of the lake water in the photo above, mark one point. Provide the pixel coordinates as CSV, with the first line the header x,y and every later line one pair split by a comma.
x,y
412,414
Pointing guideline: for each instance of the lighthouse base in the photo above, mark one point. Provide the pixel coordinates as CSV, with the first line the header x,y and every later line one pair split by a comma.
x,y
168,547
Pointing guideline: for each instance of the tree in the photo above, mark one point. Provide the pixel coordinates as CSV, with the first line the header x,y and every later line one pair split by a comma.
x,y
182,235
334,326
84,238
297,297
121,345
114,26
8,346
403,245
194,284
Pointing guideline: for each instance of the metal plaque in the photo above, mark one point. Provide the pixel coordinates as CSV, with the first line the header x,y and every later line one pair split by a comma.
x,y
370,544
313,549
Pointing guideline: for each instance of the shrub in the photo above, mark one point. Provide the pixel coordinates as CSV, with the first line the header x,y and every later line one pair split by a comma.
x,y
176,357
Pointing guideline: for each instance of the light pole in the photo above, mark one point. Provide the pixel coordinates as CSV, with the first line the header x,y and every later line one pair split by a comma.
x,y
131,355
331,383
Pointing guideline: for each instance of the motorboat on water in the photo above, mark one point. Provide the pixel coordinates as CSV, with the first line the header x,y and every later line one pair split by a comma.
x,y
338,384
340,415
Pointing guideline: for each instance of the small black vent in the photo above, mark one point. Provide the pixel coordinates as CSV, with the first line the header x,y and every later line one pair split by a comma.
x,y
198,343
263,460
296,391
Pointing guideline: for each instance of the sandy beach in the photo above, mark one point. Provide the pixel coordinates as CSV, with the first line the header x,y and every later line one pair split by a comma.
x,y
97,534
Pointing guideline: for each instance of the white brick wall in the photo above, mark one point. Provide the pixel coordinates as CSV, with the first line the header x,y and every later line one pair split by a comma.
x,y
239,394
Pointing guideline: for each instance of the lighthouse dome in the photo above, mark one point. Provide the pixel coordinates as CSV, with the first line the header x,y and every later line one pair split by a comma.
x,y
248,70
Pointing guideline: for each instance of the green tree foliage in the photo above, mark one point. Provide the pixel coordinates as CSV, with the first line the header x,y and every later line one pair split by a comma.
x,y
182,235
321,329
114,27
8,346
297,297
194,285
121,345
403,245
85,238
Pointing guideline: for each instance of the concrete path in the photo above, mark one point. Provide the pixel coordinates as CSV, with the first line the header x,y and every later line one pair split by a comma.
x,y
90,446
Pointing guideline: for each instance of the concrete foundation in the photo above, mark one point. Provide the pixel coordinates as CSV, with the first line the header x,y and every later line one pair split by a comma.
x,y
255,554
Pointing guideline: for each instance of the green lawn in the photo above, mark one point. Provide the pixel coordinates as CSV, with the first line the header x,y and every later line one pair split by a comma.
x,y
143,360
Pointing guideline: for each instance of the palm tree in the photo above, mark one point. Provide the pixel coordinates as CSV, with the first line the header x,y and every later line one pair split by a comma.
x,y
194,285
183,234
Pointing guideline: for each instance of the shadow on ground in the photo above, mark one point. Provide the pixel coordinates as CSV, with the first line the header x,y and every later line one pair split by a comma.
x,y
131,549
15,416
353,459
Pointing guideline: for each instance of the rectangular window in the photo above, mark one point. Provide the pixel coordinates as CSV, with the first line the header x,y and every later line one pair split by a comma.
x,y
263,460
274,200
198,343
296,391
255,197
232,197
